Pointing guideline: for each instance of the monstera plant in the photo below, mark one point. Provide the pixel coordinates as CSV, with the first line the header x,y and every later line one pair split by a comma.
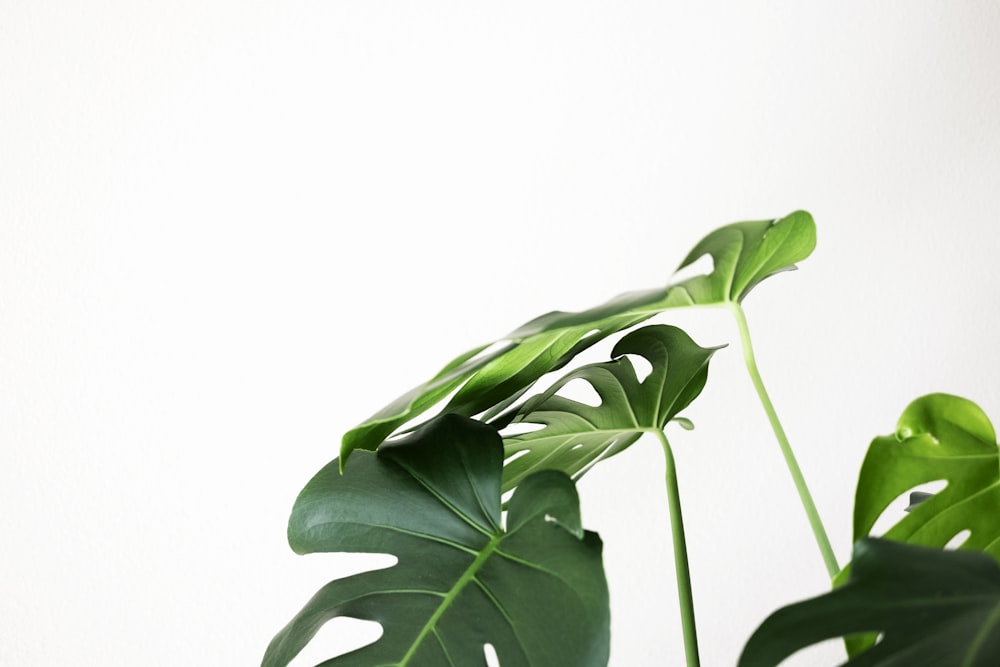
x,y
479,506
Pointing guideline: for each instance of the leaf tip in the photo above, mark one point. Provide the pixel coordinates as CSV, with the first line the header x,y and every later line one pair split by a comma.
x,y
805,229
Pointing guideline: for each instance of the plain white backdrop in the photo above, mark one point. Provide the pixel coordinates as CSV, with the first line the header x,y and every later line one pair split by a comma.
x,y
229,231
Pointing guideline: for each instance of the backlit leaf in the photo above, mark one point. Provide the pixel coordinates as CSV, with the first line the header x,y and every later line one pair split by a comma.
x,y
744,253
939,437
576,435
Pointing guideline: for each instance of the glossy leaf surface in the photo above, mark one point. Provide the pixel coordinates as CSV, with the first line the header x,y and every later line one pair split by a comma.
x,y
535,591
576,435
492,373
744,254
931,606
939,437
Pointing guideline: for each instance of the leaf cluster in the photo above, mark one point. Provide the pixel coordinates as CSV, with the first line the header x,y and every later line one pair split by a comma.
x,y
484,517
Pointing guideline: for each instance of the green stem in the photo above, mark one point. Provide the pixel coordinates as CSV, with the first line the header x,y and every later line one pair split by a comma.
x,y
786,449
680,557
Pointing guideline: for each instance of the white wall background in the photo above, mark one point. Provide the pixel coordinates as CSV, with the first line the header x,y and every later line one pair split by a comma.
x,y
231,230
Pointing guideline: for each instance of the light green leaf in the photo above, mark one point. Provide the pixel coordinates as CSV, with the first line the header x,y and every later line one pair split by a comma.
x,y
535,591
939,437
495,372
575,436
745,253
931,606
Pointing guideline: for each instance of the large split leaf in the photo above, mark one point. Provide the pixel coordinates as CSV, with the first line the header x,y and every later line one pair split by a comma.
x,y
494,372
576,435
535,591
939,437
744,254
931,607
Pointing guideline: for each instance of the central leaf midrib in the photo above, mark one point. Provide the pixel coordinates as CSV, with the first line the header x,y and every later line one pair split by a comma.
x,y
453,593
639,428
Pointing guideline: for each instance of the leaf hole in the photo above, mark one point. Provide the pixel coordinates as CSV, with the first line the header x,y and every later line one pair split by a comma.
x,y
490,654
959,539
896,510
520,428
347,564
590,334
703,266
641,365
515,456
337,636
581,391
826,652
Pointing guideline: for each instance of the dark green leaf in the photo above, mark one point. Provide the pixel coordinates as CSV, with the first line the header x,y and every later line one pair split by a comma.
x,y
931,607
575,435
745,253
939,437
536,591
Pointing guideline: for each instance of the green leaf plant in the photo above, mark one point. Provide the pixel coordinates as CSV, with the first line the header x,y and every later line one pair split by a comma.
x,y
479,506
929,606
534,588
924,603
939,438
